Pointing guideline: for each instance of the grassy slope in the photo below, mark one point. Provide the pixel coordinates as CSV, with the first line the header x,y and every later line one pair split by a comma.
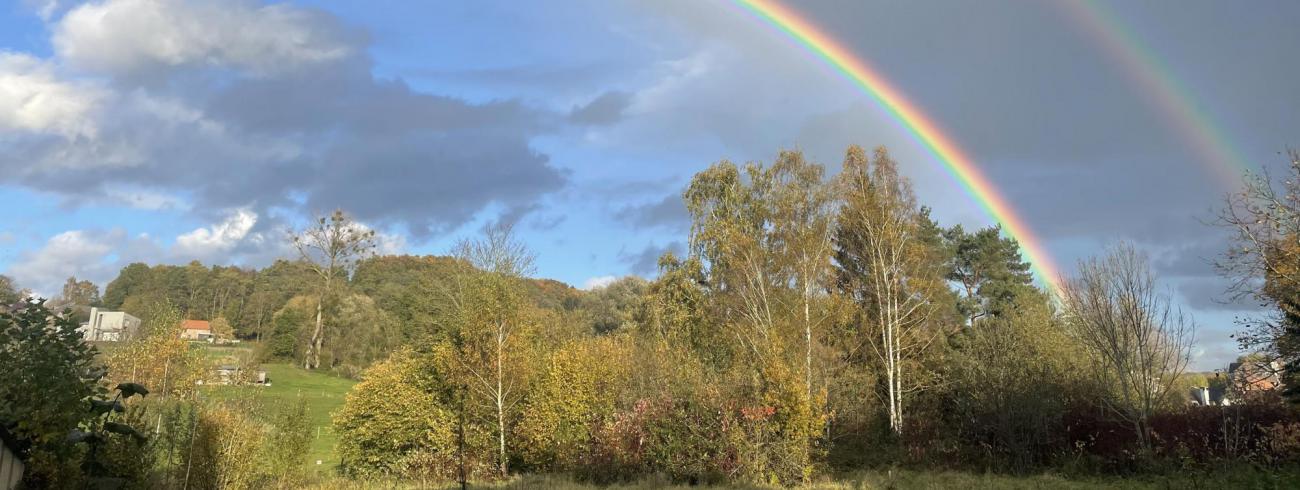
x,y
324,393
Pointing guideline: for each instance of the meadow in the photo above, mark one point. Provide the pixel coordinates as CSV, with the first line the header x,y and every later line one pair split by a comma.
x,y
322,392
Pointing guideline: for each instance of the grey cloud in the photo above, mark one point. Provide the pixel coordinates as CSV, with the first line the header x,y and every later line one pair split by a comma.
x,y
608,108
646,261
669,213
138,41
224,127
1211,294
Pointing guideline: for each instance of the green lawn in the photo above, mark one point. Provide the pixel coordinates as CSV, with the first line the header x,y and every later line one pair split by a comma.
x,y
324,393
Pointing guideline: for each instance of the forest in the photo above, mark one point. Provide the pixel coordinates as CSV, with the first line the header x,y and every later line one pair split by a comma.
x,y
820,323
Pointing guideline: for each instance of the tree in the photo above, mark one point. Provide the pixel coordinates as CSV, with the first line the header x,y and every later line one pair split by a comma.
x,y
393,417
492,325
49,375
363,333
10,295
802,219
78,296
331,247
761,237
1263,264
1138,341
885,267
613,307
988,270
221,329
157,356
575,393
1010,383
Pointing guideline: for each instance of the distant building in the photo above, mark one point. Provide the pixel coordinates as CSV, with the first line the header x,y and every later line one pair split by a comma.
x,y
196,330
1206,396
109,326
1255,376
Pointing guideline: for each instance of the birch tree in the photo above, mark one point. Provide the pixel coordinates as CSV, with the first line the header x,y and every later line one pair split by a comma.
x,y
331,247
490,342
802,217
884,266
761,235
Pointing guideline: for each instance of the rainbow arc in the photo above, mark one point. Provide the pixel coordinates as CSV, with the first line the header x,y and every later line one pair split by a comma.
x,y
924,130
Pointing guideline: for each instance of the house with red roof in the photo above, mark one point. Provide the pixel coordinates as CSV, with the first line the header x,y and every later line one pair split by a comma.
x,y
196,330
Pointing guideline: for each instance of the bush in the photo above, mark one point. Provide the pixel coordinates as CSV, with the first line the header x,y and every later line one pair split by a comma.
x,y
392,424
1264,434
575,394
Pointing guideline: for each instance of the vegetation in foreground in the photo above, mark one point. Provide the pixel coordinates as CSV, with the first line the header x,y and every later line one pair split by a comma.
x,y
321,393
815,327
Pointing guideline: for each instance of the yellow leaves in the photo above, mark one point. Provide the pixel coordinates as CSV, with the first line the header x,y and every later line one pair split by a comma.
x,y
575,391
162,361
392,415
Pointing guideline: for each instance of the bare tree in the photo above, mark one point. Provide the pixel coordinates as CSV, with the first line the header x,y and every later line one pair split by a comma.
x,y
1263,261
1138,341
331,247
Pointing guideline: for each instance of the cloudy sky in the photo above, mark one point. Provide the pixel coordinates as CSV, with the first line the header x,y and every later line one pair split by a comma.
x,y
169,130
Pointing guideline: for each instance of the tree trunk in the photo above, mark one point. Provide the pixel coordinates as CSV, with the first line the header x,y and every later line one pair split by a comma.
x,y
313,347
500,399
807,339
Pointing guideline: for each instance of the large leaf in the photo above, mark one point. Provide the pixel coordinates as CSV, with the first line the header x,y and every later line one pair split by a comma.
x,y
126,430
101,407
130,389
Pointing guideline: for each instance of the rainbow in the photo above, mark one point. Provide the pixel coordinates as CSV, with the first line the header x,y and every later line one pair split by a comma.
x,y
925,131
1157,81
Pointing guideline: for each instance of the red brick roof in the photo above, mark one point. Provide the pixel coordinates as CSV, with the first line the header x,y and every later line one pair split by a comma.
x,y
196,325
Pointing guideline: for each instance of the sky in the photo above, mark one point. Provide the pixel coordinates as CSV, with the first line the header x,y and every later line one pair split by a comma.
x,y
166,131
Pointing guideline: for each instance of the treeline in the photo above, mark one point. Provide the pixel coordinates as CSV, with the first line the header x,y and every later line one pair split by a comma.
x,y
816,324
387,301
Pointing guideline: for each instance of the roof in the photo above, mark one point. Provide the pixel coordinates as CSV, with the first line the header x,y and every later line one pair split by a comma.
x,y
196,325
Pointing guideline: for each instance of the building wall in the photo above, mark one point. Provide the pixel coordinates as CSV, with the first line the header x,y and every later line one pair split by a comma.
x,y
110,325
11,469
196,334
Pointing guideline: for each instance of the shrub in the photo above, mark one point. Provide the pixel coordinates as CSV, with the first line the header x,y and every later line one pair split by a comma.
x,y
392,424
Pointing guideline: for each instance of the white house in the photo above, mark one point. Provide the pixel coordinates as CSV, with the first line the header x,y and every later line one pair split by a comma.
x,y
109,326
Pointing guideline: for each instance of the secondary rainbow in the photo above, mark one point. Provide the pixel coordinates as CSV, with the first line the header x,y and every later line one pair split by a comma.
x,y
1157,81
925,131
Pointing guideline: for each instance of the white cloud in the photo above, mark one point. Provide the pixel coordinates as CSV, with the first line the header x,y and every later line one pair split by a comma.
x,y
98,255
123,36
33,98
218,239
598,282
85,254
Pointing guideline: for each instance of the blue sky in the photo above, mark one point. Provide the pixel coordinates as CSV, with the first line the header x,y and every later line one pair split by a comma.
x,y
170,130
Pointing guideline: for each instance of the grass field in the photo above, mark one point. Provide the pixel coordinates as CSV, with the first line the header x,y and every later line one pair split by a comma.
x,y
323,393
